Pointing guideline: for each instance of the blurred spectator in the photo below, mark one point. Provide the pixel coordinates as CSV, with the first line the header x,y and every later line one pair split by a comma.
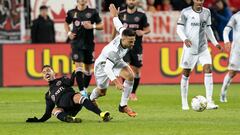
x,y
151,7
142,4
42,30
208,3
234,5
117,3
166,5
180,4
221,14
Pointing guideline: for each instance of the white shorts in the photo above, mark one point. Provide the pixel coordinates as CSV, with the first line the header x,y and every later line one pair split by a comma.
x,y
188,60
234,60
101,77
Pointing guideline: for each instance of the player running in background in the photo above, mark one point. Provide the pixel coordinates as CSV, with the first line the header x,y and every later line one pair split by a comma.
x,y
110,65
136,20
192,27
234,60
68,103
84,21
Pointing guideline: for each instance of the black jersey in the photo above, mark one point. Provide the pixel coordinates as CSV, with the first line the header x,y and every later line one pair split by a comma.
x,y
84,37
135,21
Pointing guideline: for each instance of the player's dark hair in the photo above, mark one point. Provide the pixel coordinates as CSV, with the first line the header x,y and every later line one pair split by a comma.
x,y
128,32
46,66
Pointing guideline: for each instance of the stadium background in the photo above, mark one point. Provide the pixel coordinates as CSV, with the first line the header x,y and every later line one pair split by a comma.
x,y
21,61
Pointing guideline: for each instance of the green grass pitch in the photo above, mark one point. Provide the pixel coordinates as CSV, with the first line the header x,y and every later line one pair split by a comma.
x,y
158,107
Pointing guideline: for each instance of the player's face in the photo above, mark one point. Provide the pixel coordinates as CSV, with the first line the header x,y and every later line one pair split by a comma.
x,y
48,74
131,4
198,3
128,41
82,2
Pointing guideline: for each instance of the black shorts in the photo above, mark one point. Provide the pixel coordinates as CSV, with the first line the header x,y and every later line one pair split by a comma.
x,y
133,58
66,100
82,55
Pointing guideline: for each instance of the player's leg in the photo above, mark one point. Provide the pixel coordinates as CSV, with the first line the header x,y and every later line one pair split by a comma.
x,y
88,61
136,67
64,116
77,56
188,61
79,99
206,61
226,82
126,73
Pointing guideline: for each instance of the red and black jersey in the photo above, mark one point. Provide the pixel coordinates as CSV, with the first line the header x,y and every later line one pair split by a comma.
x,y
84,37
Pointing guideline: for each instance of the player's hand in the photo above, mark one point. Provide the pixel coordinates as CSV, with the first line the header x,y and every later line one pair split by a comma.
x,y
139,33
227,46
87,25
188,43
113,11
34,119
220,48
71,35
118,84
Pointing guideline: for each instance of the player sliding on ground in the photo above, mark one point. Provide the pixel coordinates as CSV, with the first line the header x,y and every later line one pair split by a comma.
x,y
68,103
193,26
109,65
234,60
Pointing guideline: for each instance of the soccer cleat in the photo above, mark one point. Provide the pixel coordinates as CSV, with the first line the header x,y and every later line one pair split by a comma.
x,y
133,97
223,98
84,93
71,119
185,107
105,116
127,110
211,106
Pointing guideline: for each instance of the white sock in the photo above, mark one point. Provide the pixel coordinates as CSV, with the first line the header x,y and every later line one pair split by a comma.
x,y
208,82
128,85
226,82
94,94
184,89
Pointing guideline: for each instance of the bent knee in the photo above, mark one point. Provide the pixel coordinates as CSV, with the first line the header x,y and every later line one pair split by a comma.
x,y
102,92
56,111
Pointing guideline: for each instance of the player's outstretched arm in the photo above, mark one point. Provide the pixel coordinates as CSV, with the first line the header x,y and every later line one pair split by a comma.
x,y
117,23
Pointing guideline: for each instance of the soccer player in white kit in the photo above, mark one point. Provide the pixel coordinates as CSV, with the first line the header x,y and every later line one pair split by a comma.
x,y
192,27
109,65
234,60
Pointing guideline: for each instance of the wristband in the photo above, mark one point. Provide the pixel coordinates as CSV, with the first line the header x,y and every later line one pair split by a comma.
x,y
94,26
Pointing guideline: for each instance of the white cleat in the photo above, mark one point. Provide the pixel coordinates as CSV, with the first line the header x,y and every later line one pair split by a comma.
x,y
211,106
223,98
185,107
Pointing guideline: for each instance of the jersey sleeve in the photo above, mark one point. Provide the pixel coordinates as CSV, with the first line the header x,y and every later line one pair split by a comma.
x,y
209,19
69,18
144,21
182,19
69,81
231,23
49,107
97,18
118,25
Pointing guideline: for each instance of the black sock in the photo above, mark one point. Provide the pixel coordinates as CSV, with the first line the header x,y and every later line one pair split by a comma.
x,y
135,84
62,115
90,106
79,78
87,79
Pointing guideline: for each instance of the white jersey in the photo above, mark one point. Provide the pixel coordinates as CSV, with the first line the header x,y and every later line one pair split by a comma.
x,y
194,26
233,24
113,51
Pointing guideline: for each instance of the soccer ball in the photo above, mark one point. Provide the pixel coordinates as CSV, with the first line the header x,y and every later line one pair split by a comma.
x,y
199,103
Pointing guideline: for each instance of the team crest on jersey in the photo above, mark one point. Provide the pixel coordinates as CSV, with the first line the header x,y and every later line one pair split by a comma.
x,y
59,83
53,98
137,19
75,56
124,17
77,23
88,15
125,25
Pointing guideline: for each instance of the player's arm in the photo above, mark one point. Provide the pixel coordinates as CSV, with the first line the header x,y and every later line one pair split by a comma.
x,y
112,59
146,28
180,29
114,33
68,21
69,81
117,23
49,107
226,31
210,34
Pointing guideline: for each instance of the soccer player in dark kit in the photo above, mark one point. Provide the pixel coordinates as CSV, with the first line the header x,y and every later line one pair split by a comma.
x,y
68,103
84,21
136,20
